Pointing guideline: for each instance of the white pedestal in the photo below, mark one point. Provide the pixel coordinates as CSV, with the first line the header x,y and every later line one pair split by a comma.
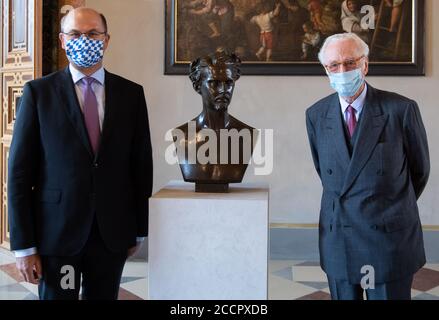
x,y
205,246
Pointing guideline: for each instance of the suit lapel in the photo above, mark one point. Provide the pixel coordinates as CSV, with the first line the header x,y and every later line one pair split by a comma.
x,y
334,127
370,128
69,99
112,95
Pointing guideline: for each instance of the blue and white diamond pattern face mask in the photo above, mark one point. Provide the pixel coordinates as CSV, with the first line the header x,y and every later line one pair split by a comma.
x,y
85,52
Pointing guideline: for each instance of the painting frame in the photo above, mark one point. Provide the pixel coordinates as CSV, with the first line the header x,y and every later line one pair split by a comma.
x,y
416,67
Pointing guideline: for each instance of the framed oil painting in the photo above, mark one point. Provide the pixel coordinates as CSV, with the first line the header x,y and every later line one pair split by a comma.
x,y
283,37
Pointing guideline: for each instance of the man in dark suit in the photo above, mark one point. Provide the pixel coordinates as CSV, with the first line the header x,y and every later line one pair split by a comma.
x,y
80,170
370,150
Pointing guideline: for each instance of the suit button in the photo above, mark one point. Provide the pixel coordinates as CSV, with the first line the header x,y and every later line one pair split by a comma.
x,y
379,172
96,165
374,227
329,171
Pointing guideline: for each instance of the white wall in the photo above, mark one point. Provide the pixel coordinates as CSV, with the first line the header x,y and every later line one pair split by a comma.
x,y
137,52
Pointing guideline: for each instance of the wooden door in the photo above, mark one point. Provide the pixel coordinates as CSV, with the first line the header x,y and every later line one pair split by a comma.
x,y
20,47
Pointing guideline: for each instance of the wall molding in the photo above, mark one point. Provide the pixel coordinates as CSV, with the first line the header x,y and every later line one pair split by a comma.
x,y
315,226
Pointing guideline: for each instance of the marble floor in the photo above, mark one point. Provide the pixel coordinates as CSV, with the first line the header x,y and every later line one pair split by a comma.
x,y
288,280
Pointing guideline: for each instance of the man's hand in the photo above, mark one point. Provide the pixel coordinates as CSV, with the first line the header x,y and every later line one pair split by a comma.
x,y
132,251
30,268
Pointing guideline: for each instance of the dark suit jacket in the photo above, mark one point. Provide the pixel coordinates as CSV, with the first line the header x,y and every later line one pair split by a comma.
x,y
369,213
56,186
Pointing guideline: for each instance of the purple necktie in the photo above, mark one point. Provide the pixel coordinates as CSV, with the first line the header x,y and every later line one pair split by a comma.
x,y
91,114
352,120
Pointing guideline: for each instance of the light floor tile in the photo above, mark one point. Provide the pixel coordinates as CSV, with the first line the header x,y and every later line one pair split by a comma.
x,y
432,266
11,295
434,291
5,279
16,287
312,274
284,273
138,287
280,289
416,293
30,296
6,257
135,269
426,296
31,287
326,290
276,265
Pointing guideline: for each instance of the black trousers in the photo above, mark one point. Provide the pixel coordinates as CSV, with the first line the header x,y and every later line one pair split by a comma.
x,y
396,290
100,268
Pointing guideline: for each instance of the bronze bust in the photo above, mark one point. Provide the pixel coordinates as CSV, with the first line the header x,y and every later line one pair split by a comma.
x,y
223,145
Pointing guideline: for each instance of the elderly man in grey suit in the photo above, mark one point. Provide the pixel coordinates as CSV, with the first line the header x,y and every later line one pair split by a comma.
x,y
370,150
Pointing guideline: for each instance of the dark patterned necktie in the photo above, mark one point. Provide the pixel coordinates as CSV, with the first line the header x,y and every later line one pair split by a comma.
x,y
91,114
352,120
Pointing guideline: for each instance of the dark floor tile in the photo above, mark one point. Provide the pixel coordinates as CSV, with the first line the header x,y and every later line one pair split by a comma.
x,y
126,295
318,295
11,270
425,280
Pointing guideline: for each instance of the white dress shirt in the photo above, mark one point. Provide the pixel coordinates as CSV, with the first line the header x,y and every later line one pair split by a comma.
x,y
99,89
358,105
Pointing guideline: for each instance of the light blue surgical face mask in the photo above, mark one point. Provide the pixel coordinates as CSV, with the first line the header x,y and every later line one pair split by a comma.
x,y
348,83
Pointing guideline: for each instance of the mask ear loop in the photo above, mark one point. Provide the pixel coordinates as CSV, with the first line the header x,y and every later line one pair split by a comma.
x,y
326,70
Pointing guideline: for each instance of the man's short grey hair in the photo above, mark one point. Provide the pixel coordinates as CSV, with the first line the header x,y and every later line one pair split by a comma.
x,y
64,19
362,47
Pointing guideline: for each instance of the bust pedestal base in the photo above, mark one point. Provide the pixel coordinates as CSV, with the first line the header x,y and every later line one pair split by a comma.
x,y
210,246
212,187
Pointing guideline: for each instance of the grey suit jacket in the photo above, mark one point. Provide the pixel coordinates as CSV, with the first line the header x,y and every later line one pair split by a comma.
x,y
369,214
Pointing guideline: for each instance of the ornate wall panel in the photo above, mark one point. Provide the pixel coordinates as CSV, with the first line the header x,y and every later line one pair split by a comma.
x,y
20,44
